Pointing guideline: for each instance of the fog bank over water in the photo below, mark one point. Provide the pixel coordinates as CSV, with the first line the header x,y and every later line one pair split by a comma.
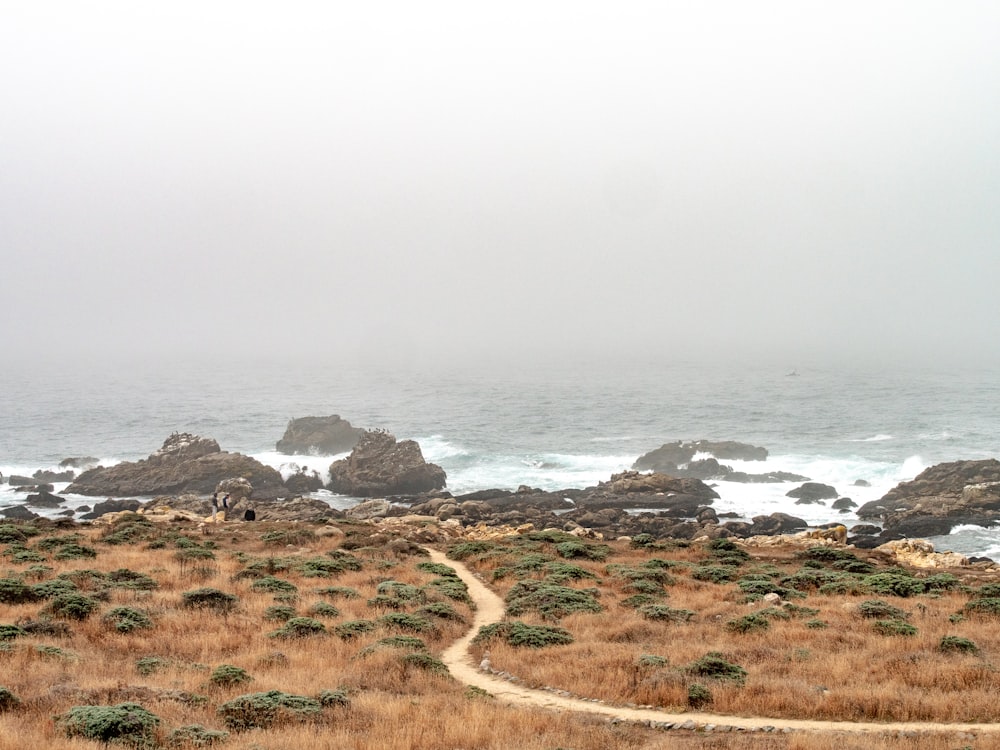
x,y
444,184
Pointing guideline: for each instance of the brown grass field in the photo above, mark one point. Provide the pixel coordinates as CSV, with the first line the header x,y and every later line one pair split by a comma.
x,y
818,658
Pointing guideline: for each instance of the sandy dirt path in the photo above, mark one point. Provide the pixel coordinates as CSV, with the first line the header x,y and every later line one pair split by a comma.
x,y
490,608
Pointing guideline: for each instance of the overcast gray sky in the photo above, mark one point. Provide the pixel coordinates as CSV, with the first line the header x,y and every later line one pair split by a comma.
x,y
787,180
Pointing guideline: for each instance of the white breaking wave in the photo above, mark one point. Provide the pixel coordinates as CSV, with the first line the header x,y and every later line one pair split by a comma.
x,y
874,439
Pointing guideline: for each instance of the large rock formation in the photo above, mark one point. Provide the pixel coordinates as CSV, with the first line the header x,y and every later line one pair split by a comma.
x,y
939,498
325,436
185,464
379,465
678,459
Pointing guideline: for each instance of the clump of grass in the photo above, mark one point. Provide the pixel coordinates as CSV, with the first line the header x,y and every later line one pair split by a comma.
x,y
650,661
954,643
551,601
127,724
128,619
338,697
395,641
148,665
300,627
227,675
714,665
295,536
522,635
209,598
265,710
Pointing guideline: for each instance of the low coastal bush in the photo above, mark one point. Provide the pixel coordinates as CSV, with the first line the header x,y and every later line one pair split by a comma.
x,y
127,724
338,697
123,578
322,609
577,548
715,573
441,610
403,621
714,665
953,643
698,695
353,628
424,662
10,533
148,665
748,623
663,613
195,735
452,588
209,598
128,619
300,627
265,710
409,642
465,550
71,606
876,609
551,601
343,592
989,607
295,536
272,585
893,627
437,569
10,632
8,701
74,551
14,591
893,584
226,675
279,613
522,635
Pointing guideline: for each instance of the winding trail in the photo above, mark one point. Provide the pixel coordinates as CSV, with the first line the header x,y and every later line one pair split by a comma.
x,y
490,608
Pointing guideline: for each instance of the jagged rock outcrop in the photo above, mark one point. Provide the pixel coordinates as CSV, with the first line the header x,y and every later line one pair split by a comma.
x,y
813,492
48,477
939,498
379,465
670,457
79,462
324,436
185,464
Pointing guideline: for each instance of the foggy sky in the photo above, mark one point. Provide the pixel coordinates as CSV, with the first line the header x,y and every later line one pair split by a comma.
x,y
779,180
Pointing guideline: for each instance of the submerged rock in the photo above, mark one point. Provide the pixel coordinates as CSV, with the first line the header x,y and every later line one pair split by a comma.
x,y
671,457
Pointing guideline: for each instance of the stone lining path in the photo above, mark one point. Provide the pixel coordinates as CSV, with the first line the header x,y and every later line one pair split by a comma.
x,y
490,608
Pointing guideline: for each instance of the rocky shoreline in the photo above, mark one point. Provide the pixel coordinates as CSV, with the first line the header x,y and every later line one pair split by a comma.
x,y
667,494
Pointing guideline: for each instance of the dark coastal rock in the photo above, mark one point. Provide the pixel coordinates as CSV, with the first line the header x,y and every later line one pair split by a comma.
x,y
44,500
111,506
843,503
862,483
707,468
48,477
16,480
303,482
79,462
918,527
325,436
670,457
776,523
947,495
771,477
379,465
18,513
811,492
185,464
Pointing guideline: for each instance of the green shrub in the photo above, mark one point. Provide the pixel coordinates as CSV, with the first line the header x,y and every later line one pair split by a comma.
x,y
279,613
127,724
714,573
72,606
322,609
437,569
10,533
123,578
130,529
637,601
826,554
52,589
893,627
954,643
465,550
148,665
272,585
522,635
195,735
13,591
45,627
941,582
989,606
343,592
893,584
403,621
339,697
698,695
663,613
425,662
848,585
756,588
453,588
73,551
557,572
876,609
579,549
10,632
441,610
988,591
127,619
652,661
794,610
401,591
320,567
551,601
715,666
300,627
642,540
353,628
20,555
395,641
816,624
226,675
8,701
748,623
208,598
295,536
265,710
859,567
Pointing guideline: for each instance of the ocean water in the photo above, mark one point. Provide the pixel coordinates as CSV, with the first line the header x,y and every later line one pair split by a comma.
x,y
512,424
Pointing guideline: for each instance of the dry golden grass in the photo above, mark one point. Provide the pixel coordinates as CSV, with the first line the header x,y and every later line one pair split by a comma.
x,y
395,704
